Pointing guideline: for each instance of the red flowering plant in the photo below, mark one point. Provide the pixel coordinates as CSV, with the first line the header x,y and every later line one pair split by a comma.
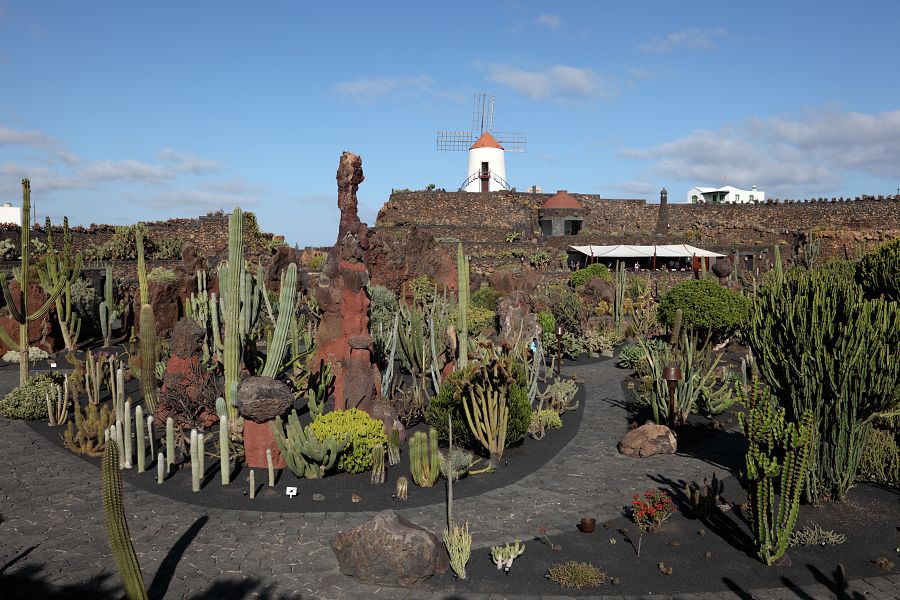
x,y
650,511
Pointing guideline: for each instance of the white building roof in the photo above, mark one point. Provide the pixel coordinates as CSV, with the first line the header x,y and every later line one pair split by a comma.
x,y
662,251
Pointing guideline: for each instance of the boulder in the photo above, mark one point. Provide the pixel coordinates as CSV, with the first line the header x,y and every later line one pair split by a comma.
x,y
187,338
165,301
517,322
598,289
259,437
42,333
261,399
648,440
389,550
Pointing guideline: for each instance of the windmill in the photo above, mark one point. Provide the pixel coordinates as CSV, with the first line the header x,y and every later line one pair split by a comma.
x,y
487,166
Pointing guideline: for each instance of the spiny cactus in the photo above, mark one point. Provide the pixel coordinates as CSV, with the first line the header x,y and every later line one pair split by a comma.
x,y
58,404
503,556
487,415
196,469
402,492
704,500
108,311
462,328
139,438
117,527
62,266
87,434
149,357
619,307
278,347
141,266
776,462
394,447
378,464
304,454
425,458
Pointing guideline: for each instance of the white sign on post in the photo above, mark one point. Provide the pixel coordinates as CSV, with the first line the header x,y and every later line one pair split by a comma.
x,y
291,491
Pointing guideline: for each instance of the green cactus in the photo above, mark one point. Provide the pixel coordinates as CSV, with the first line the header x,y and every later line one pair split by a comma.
x,y
117,527
196,453
139,438
424,458
776,462
86,435
378,464
170,443
402,492
304,454
108,311
619,307
503,556
141,266
149,357
278,348
779,270
704,500
462,328
58,404
19,311
394,447
66,267
487,415
224,447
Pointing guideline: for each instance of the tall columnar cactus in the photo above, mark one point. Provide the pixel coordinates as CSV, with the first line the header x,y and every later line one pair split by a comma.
x,y
139,438
304,454
108,312
621,282
141,266
65,266
779,271
117,527
170,444
462,326
822,347
424,458
19,311
230,285
378,464
487,415
224,450
149,357
196,469
286,299
776,462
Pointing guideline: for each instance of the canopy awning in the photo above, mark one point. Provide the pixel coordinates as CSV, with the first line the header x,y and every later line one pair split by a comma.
x,y
661,251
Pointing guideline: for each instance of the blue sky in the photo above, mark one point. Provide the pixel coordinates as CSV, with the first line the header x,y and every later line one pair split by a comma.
x,y
127,111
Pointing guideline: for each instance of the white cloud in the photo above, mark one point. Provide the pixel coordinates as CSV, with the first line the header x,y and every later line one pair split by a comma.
x,y
124,170
802,155
559,82
188,162
689,39
637,187
552,22
367,90
33,139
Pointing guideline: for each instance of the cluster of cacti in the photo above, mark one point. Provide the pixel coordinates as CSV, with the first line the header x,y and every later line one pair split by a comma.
x,y
62,266
277,348
115,382
503,556
487,415
420,340
93,377
117,527
394,447
458,542
378,470
18,311
108,311
774,473
86,435
559,396
58,404
821,346
304,454
809,250
424,458
388,375
462,281
704,500
402,492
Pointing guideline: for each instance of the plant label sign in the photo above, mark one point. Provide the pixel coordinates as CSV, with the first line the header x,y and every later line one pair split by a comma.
x,y
291,491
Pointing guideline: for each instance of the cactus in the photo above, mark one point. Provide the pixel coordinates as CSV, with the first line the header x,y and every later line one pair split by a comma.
x,y
378,464
62,266
503,556
58,404
779,270
458,542
117,527
402,488
19,312
150,433
87,434
619,307
776,461
116,385
139,438
149,357
93,377
286,299
487,415
424,458
141,266
108,312
126,434
705,500
170,443
304,454
119,436
462,282
224,458
270,467
160,468
195,461
252,485
233,280
394,447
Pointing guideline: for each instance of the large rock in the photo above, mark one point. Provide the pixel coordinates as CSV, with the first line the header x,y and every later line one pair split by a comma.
x,y
648,440
187,338
517,322
261,399
389,550
598,289
165,301
259,437
42,333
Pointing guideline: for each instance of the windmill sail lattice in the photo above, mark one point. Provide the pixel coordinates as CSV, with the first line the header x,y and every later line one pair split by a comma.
x,y
482,121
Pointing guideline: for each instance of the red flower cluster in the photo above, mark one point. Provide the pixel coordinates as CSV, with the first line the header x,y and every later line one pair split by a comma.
x,y
650,512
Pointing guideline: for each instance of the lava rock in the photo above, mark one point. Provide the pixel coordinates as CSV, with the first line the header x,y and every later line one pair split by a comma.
x,y
389,550
648,440
259,437
261,399
187,338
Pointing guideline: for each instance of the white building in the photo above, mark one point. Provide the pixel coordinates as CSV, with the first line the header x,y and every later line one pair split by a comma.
x,y
726,194
487,166
11,214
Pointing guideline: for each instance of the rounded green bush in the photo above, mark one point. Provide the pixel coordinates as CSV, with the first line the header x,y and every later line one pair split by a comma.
x,y
480,319
486,297
706,305
594,271
878,272
365,433
29,402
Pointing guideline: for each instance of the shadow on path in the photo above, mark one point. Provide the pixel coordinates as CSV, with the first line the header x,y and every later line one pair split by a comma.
x,y
166,570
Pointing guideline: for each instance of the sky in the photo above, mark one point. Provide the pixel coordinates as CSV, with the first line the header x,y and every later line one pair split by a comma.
x,y
126,111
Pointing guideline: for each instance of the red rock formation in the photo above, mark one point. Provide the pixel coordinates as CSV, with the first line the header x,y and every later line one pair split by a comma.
x,y
343,335
43,333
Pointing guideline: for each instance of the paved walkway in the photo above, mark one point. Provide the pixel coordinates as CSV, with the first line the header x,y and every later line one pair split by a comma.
x,y
52,521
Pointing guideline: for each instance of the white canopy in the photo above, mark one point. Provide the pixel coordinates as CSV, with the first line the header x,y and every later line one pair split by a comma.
x,y
661,251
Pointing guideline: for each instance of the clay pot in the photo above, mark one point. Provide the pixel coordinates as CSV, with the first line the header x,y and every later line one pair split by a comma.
x,y
587,525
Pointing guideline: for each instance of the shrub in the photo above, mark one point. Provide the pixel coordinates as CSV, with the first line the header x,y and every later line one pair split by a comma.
x,y
29,401
878,272
880,459
548,324
122,245
422,289
594,271
8,250
573,574
168,249
486,297
318,260
382,306
34,354
546,418
567,307
162,275
480,319
707,306
86,304
365,432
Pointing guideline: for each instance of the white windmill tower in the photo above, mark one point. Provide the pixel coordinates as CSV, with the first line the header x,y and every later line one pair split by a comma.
x,y
486,170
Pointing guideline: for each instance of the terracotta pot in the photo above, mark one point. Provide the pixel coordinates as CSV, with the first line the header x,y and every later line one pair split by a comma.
x,y
587,525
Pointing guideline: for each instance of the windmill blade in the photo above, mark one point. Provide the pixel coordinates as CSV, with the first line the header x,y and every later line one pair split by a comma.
x,y
455,140
512,141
